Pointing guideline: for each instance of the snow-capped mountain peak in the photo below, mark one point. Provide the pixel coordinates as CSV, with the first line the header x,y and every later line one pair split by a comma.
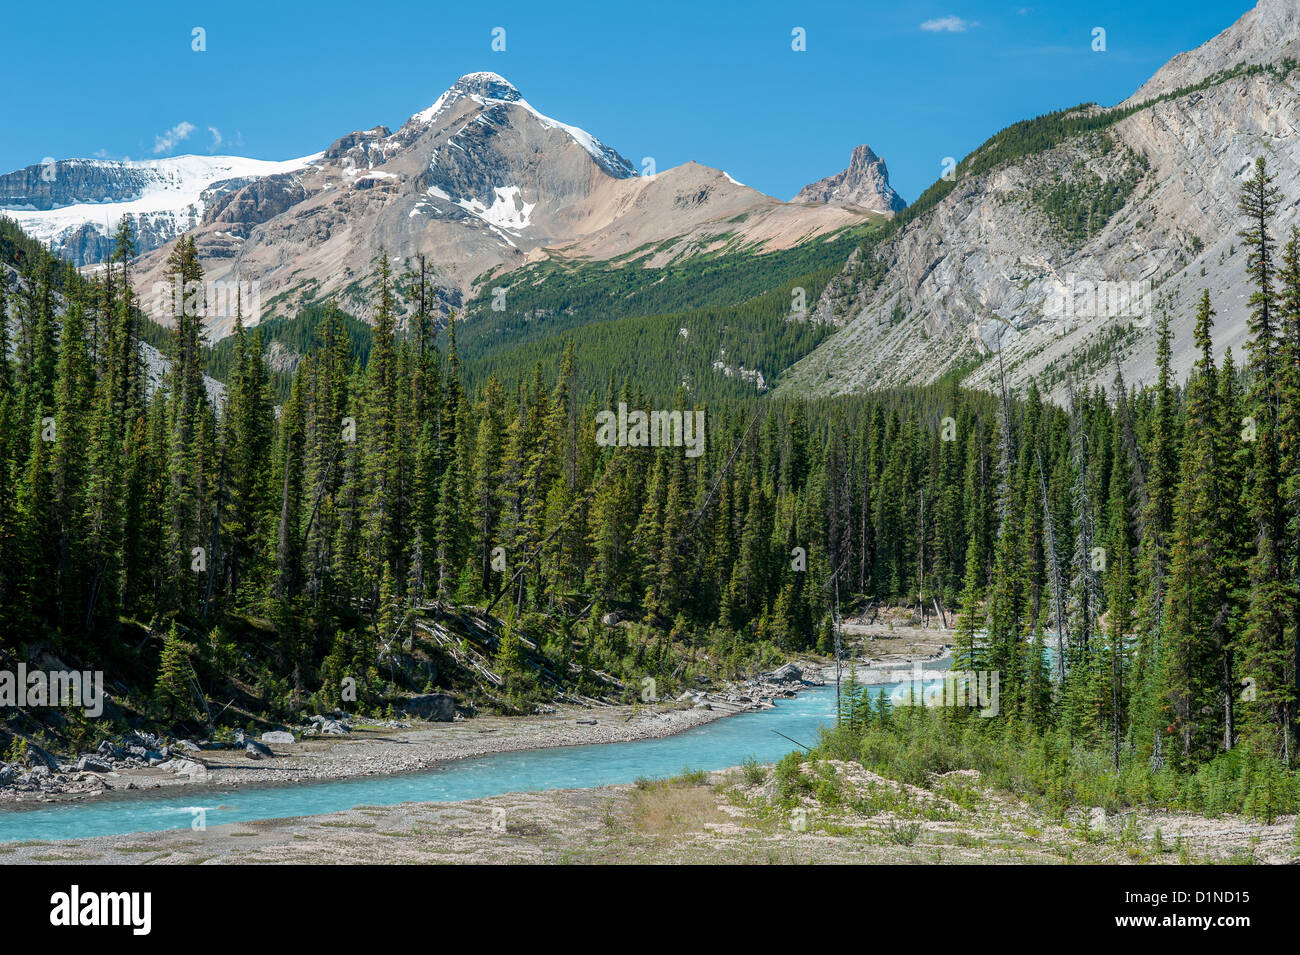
x,y
489,90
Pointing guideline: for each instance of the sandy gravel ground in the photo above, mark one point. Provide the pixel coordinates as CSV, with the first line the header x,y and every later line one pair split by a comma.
x,y
724,817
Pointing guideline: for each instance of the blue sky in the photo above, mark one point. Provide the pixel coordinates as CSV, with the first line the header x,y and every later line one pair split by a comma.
x,y
716,83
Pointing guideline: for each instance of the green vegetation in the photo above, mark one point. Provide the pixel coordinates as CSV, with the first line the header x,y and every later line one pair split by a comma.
x,y
1079,207
625,320
654,351
1054,770
562,295
299,335
1150,535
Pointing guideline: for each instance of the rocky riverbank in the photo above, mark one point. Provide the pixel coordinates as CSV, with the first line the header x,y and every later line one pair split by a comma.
x,y
337,746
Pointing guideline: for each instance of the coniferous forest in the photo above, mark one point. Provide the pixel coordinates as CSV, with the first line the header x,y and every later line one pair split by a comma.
x,y
1128,563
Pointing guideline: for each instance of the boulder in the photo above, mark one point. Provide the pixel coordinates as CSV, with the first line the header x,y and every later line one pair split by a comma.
x,y
787,674
148,740
332,728
277,736
439,707
185,767
255,750
109,750
89,764
610,619
188,745
47,761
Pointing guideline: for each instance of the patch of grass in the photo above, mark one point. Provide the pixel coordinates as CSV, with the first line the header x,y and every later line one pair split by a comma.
x,y
904,835
673,808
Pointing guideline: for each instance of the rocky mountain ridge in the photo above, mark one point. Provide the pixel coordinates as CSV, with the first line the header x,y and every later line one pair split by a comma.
x,y
864,183
479,183
1063,259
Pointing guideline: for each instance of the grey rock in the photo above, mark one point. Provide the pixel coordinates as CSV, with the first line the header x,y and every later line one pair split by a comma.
x,y
277,736
787,674
110,750
255,750
47,761
188,745
185,767
89,764
439,707
149,740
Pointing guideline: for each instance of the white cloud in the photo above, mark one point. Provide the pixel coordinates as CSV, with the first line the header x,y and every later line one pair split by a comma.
x,y
168,140
216,139
949,24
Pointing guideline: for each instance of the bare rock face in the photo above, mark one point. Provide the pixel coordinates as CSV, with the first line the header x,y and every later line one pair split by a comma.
x,y
864,183
1266,34
1011,265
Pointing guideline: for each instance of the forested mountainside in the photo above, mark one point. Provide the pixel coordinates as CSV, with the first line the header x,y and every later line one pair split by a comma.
x,y
716,326
1149,533
721,326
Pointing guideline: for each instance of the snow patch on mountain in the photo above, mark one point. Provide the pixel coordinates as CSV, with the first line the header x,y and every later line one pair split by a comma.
x,y
508,209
